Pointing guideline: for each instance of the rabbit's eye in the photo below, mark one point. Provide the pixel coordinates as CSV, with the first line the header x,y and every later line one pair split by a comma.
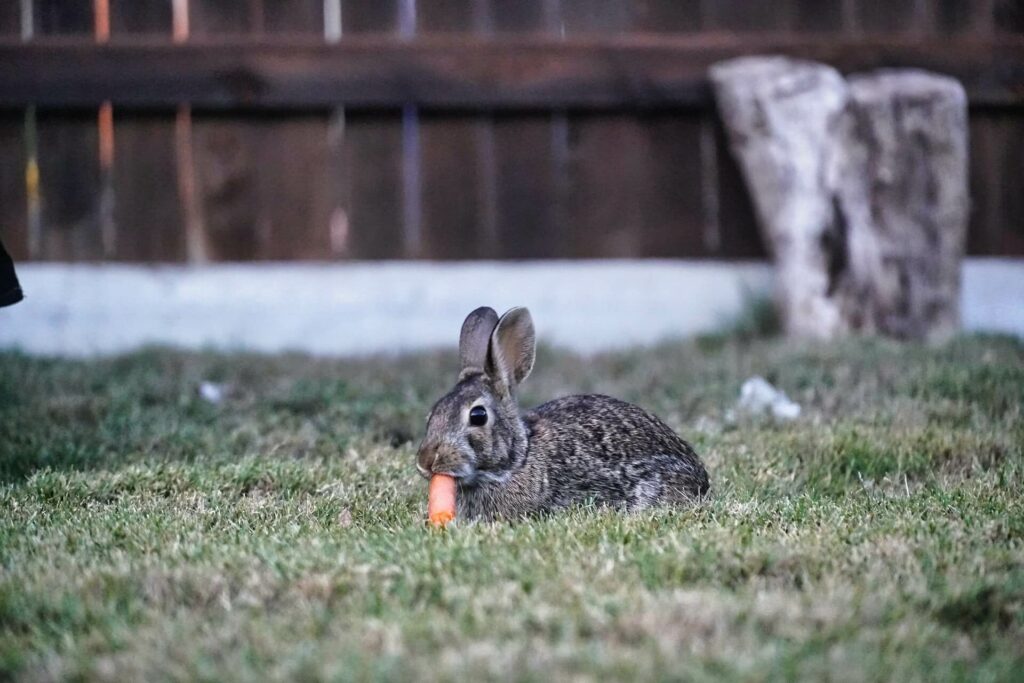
x,y
478,416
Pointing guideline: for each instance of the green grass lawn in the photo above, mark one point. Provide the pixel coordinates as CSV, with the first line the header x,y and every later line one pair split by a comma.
x,y
147,534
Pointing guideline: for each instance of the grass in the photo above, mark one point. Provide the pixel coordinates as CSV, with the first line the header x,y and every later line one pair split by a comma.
x,y
147,534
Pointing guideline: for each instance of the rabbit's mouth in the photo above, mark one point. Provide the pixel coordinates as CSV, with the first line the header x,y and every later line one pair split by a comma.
x,y
464,472
468,475
448,459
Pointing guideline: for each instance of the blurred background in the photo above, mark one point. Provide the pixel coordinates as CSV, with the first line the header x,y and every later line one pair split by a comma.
x,y
205,132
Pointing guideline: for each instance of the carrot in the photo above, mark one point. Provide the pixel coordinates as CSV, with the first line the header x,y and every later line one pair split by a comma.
x,y
441,500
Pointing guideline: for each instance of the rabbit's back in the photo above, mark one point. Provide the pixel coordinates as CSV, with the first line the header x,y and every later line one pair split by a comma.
x,y
611,452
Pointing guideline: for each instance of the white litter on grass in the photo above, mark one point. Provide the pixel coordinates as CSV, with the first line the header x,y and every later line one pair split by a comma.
x,y
759,397
212,392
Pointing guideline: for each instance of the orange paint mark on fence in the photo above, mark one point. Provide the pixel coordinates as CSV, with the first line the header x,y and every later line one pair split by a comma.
x,y
180,29
106,127
32,181
101,12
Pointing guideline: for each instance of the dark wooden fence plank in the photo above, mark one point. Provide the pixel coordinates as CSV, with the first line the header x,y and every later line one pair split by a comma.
x,y
526,188
521,17
608,164
10,18
674,218
983,236
746,16
220,18
452,189
955,16
635,182
13,203
369,16
598,160
739,236
447,16
598,17
372,150
610,189
454,184
67,144
529,154
294,158
294,187
147,208
891,16
460,153
997,185
1009,16
294,17
824,16
632,73
636,187
1012,185
263,182
224,159
13,206
227,185
69,174
140,17
373,160
669,16
62,17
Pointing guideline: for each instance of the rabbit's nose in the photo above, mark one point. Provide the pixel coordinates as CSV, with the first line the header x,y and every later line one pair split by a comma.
x,y
425,460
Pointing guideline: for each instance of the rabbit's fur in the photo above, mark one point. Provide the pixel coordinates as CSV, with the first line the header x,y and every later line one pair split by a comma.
x,y
570,450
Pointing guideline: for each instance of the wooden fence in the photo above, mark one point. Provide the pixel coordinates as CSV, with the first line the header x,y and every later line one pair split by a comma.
x,y
193,130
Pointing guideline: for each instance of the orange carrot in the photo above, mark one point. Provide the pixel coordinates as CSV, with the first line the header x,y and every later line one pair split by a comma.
x,y
441,500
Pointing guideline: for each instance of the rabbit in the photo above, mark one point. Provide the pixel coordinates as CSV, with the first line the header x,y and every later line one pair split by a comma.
x,y
587,448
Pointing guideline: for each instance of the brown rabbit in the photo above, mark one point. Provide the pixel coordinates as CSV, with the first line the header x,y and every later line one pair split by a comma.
x,y
570,450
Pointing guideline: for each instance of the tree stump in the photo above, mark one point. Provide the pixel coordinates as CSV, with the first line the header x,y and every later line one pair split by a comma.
x,y
781,115
860,189
902,191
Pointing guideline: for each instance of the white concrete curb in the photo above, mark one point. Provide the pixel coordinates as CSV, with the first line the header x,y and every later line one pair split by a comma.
x,y
360,308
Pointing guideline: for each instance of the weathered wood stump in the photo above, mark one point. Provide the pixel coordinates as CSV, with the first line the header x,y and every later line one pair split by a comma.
x,y
902,191
781,115
860,190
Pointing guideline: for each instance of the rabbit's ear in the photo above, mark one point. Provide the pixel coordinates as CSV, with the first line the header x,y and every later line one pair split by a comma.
x,y
513,347
474,338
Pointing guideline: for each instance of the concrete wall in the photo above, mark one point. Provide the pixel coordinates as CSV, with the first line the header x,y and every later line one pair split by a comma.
x,y
387,307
